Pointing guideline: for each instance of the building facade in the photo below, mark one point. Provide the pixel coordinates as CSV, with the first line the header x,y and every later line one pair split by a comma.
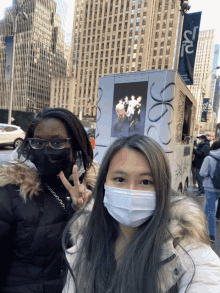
x,y
62,92
65,11
216,99
61,10
118,36
40,55
203,79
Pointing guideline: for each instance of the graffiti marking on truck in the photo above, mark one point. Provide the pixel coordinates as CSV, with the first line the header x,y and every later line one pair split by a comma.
x,y
166,103
181,168
98,116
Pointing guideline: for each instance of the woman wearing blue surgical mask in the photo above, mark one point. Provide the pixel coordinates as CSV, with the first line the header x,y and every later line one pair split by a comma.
x,y
38,196
140,235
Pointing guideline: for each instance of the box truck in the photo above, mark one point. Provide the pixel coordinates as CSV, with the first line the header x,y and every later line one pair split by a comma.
x,y
154,103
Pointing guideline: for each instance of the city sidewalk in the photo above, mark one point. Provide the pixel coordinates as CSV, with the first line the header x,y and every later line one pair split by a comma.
x,y
192,192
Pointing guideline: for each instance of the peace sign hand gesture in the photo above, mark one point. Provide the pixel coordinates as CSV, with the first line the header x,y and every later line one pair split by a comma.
x,y
79,194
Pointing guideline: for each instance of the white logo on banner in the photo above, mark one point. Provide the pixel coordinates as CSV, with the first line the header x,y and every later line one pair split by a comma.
x,y
187,45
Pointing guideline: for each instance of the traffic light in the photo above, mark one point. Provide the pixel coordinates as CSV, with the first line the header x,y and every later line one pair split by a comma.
x,y
184,5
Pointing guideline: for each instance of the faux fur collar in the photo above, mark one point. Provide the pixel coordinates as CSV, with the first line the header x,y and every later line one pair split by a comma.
x,y
23,176
27,179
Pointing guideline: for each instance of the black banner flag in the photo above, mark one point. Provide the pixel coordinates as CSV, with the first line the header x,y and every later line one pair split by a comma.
x,y
188,46
205,107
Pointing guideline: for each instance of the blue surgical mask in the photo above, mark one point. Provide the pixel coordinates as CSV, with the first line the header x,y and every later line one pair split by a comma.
x,y
129,207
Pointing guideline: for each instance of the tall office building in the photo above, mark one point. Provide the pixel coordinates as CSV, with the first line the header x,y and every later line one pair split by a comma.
x,y
202,85
119,36
216,99
61,10
213,74
40,54
65,12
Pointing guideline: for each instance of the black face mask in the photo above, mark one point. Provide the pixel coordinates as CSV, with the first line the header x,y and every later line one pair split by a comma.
x,y
49,162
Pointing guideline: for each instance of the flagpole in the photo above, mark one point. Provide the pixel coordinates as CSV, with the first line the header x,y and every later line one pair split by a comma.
x,y
183,9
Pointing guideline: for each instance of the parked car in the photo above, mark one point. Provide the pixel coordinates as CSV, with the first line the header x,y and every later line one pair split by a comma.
x,y
90,131
11,135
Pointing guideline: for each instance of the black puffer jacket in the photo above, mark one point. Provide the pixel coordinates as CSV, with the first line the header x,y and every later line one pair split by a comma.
x,y
31,225
200,153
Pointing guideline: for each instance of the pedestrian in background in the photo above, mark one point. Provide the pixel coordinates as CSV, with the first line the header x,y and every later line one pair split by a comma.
x,y
35,205
140,237
193,169
207,171
200,153
92,141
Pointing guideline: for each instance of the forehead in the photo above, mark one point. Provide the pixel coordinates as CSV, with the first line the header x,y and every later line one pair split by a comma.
x,y
129,161
51,128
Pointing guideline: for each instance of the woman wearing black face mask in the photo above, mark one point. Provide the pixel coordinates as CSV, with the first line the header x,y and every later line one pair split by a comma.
x,y
35,204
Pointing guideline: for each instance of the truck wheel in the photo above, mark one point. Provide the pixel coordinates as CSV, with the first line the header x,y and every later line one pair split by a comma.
x,y
17,142
180,188
185,187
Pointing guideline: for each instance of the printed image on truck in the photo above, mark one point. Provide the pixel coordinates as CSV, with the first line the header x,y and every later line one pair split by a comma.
x,y
129,108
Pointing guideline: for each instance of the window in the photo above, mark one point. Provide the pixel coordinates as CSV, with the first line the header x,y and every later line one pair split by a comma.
x,y
8,129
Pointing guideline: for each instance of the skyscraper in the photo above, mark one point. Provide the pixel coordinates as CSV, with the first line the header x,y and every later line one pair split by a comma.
x,y
40,54
119,36
216,100
62,8
202,85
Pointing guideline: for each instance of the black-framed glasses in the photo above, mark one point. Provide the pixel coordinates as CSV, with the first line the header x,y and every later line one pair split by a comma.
x,y
38,143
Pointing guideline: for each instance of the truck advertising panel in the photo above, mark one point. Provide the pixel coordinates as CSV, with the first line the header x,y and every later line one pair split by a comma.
x,y
152,103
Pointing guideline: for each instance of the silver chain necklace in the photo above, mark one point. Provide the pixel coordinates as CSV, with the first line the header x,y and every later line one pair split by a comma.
x,y
56,196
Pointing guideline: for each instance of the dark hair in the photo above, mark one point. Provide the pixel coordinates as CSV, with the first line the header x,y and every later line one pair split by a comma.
x,y
137,270
80,142
203,137
215,145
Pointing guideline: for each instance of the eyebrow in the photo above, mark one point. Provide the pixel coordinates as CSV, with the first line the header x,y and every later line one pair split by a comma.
x,y
124,173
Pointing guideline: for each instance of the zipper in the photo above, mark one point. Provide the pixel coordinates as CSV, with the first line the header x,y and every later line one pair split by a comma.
x,y
36,224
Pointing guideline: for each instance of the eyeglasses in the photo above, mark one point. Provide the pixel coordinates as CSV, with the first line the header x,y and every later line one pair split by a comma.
x,y
38,143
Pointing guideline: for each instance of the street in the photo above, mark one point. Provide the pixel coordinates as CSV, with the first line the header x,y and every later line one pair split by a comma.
x,y
5,154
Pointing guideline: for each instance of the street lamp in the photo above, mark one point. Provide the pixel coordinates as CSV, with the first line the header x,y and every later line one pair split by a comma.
x,y
14,28
184,8
203,90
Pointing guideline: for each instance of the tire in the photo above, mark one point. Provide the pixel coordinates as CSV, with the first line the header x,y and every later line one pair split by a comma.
x,y
180,188
185,187
17,142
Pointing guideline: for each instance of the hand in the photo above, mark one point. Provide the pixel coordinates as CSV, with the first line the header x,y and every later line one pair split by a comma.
x,y
79,194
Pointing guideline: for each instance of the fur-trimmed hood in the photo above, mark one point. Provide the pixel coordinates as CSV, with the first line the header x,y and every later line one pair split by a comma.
x,y
187,225
23,176
187,221
27,178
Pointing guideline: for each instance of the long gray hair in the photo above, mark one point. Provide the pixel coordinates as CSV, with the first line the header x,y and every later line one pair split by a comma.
x,y
137,270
